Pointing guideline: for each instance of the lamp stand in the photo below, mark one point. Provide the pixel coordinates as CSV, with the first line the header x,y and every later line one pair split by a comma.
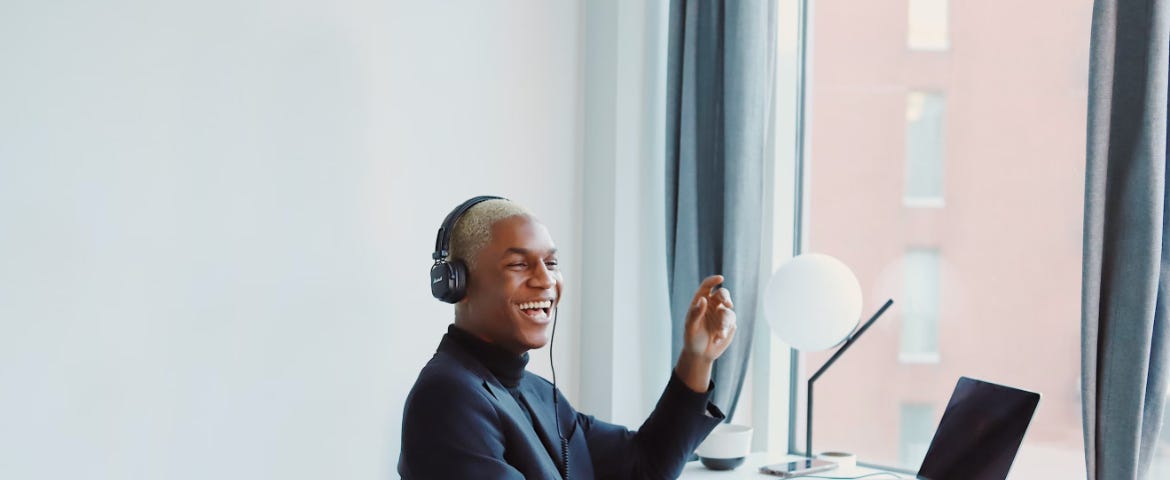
x,y
808,423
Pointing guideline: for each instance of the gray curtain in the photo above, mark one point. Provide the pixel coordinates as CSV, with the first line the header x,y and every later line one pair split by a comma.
x,y
720,76
1126,265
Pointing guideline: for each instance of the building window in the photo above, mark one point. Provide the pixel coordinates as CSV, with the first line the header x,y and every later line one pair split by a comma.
x,y
916,429
925,112
846,151
927,26
921,309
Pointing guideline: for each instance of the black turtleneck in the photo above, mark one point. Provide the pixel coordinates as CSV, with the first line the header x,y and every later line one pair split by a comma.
x,y
505,365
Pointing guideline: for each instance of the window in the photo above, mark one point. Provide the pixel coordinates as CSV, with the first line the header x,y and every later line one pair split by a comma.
x,y
916,428
927,25
924,149
920,295
987,283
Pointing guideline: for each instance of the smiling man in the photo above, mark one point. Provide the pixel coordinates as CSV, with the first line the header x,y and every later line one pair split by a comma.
x,y
475,412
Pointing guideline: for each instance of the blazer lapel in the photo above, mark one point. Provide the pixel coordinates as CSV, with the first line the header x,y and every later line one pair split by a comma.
x,y
510,407
514,410
540,402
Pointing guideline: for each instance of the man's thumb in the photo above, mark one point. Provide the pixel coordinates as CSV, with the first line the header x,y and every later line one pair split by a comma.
x,y
697,308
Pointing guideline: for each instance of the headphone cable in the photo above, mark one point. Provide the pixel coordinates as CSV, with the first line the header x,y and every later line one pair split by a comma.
x,y
556,410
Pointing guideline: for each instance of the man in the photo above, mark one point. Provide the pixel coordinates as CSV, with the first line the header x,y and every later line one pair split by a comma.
x,y
474,412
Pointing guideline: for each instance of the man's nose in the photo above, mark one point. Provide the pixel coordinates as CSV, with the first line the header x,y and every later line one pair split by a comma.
x,y
543,277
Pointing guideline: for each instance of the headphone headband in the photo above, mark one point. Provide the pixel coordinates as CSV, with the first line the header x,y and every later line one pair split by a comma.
x,y
443,238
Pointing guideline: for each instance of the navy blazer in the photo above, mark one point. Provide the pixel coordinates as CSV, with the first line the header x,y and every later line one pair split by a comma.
x,y
460,422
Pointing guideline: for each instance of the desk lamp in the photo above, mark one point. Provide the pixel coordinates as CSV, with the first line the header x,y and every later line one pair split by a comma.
x,y
813,302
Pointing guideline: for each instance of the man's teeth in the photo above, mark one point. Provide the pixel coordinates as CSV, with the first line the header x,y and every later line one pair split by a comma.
x,y
532,305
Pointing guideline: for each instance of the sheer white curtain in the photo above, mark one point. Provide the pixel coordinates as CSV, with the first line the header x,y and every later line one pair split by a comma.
x,y
625,344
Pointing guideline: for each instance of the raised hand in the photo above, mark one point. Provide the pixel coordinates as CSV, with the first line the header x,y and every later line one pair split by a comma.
x,y
709,330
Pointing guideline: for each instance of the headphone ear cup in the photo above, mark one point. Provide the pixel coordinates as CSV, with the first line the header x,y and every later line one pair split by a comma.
x,y
441,280
458,272
449,281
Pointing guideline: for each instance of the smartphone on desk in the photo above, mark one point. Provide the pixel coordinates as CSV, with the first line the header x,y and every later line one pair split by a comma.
x,y
798,468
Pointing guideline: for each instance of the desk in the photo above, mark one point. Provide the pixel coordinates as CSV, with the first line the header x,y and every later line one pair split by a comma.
x,y
751,470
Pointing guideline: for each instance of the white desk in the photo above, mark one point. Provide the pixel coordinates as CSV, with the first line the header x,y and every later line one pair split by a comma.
x,y
751,469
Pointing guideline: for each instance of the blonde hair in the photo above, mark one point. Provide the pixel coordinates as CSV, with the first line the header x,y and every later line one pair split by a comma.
x,y
473,230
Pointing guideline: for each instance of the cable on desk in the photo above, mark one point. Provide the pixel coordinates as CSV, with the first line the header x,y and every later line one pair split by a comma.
x,y
851,478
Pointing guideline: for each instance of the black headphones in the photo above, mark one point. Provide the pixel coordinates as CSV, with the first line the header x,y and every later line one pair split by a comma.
x,y
449,278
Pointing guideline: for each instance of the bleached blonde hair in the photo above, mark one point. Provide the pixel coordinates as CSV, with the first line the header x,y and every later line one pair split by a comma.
x,y
473,230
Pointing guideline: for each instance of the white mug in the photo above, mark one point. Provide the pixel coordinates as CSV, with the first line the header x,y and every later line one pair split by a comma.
x,y
726,447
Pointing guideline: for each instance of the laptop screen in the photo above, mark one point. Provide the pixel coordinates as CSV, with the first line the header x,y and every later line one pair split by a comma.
x,y
980,432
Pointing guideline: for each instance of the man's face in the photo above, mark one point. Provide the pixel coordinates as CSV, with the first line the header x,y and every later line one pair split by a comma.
x,y
515,286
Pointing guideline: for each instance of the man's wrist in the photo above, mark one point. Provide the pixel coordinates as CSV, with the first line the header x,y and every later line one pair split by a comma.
x,y
694,371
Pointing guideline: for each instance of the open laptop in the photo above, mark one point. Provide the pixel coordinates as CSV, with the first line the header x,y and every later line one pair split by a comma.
x,y
980,432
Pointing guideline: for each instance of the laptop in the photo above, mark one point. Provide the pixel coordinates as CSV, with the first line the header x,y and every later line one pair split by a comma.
x,y
980,432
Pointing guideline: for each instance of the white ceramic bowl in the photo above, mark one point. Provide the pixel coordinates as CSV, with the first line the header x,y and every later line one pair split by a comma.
x,y
726,446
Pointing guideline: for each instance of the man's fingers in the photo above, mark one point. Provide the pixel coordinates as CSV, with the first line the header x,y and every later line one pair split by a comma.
x,y
723,296
726,317
725,330
729,332
711,281
698,308
729,322
705,287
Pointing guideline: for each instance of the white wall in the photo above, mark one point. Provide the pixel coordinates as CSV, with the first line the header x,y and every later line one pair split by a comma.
x,y
216,217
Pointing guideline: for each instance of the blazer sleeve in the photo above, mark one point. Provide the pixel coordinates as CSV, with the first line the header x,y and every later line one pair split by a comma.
x,y
661,446
451,432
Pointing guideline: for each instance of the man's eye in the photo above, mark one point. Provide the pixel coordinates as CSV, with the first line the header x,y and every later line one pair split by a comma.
x,y
514,265
552,264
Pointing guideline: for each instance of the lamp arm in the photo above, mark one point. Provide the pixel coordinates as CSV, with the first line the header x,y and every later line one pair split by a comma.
x,y
808,422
